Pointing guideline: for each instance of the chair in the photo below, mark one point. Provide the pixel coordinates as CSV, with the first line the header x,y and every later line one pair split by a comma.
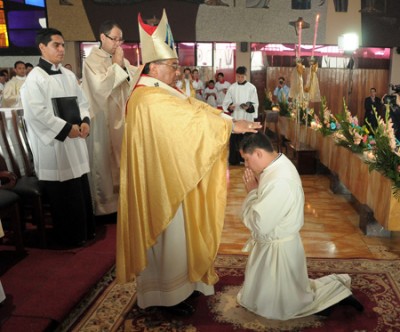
x,y
27,186
271,121
20,133
9,205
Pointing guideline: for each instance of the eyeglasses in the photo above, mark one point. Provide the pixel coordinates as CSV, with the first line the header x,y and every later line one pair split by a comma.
x,y
175,66
117,40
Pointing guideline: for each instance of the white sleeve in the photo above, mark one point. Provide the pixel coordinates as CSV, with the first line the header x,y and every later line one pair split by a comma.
x,y
227,100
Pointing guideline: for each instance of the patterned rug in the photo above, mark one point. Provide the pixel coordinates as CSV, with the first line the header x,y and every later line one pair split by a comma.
x,y
376,283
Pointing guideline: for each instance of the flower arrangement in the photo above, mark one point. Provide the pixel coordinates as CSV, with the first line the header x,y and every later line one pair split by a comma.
x,y
385,156
325,122
284,109
350,134
269,105
302,113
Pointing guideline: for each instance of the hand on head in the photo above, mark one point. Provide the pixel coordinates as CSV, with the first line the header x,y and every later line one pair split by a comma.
x,y
244,126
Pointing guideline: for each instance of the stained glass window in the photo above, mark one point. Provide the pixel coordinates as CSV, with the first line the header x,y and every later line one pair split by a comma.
x,y
39,3
3,27
19,22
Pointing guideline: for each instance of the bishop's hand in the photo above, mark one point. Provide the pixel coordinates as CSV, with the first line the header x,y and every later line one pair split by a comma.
x,y
244,126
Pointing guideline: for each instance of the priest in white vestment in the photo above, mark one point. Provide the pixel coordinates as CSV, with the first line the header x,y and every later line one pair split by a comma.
x,y
11,92
173,182
106,81
276,284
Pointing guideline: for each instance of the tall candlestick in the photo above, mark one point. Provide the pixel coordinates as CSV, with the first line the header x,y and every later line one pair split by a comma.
x,y
315,35
138,56
299,43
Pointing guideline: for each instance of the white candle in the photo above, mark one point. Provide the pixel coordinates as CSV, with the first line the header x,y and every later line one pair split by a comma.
x,y
299,43
315,35
138,56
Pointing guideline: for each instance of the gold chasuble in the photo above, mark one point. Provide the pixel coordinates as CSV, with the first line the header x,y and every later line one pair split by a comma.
x,y
174,152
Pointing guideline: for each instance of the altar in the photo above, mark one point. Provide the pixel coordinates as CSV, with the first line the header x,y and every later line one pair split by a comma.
x,y
371,189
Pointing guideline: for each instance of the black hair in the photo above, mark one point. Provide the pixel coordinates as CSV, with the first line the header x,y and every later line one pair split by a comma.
x,y
43,36
19,63
256,141
211,81
187,68
28,64
281,78
241,70
107,26
220,74
2,74
146,68
195,70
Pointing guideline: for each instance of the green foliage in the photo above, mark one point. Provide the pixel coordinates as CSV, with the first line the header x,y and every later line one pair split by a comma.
x,y
284,109
351,135
326,122
386,153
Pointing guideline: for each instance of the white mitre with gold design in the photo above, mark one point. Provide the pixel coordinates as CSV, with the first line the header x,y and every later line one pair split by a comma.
x,y
157,42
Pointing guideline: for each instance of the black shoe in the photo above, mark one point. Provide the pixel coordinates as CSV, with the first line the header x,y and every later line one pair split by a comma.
x,y
352,301
180,309
325,313
91,236
194,294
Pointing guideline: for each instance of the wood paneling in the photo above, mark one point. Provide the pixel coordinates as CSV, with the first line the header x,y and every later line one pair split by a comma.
x,y
335,84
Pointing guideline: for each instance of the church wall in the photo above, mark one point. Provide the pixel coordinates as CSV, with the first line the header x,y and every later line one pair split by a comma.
x,y
234,23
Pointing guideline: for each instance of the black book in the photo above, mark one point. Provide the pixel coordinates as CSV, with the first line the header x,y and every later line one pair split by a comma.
x,y
67,108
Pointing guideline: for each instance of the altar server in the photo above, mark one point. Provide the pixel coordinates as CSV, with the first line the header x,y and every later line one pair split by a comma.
x,y
241,101
222,87
58,143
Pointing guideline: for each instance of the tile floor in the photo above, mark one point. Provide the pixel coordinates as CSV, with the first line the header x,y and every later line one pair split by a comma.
x,y
331,223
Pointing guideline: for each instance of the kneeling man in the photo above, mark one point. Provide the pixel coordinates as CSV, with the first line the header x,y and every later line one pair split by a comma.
x,y
276,284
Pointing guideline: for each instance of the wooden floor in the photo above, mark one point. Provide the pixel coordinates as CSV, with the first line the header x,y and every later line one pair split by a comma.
x,y
331,223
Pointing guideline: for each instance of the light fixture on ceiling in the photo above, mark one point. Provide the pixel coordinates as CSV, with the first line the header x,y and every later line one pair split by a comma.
x,y
348,42
296,24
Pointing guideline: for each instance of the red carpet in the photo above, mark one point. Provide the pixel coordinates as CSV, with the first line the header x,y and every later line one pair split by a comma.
x,y
376,283
43,287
